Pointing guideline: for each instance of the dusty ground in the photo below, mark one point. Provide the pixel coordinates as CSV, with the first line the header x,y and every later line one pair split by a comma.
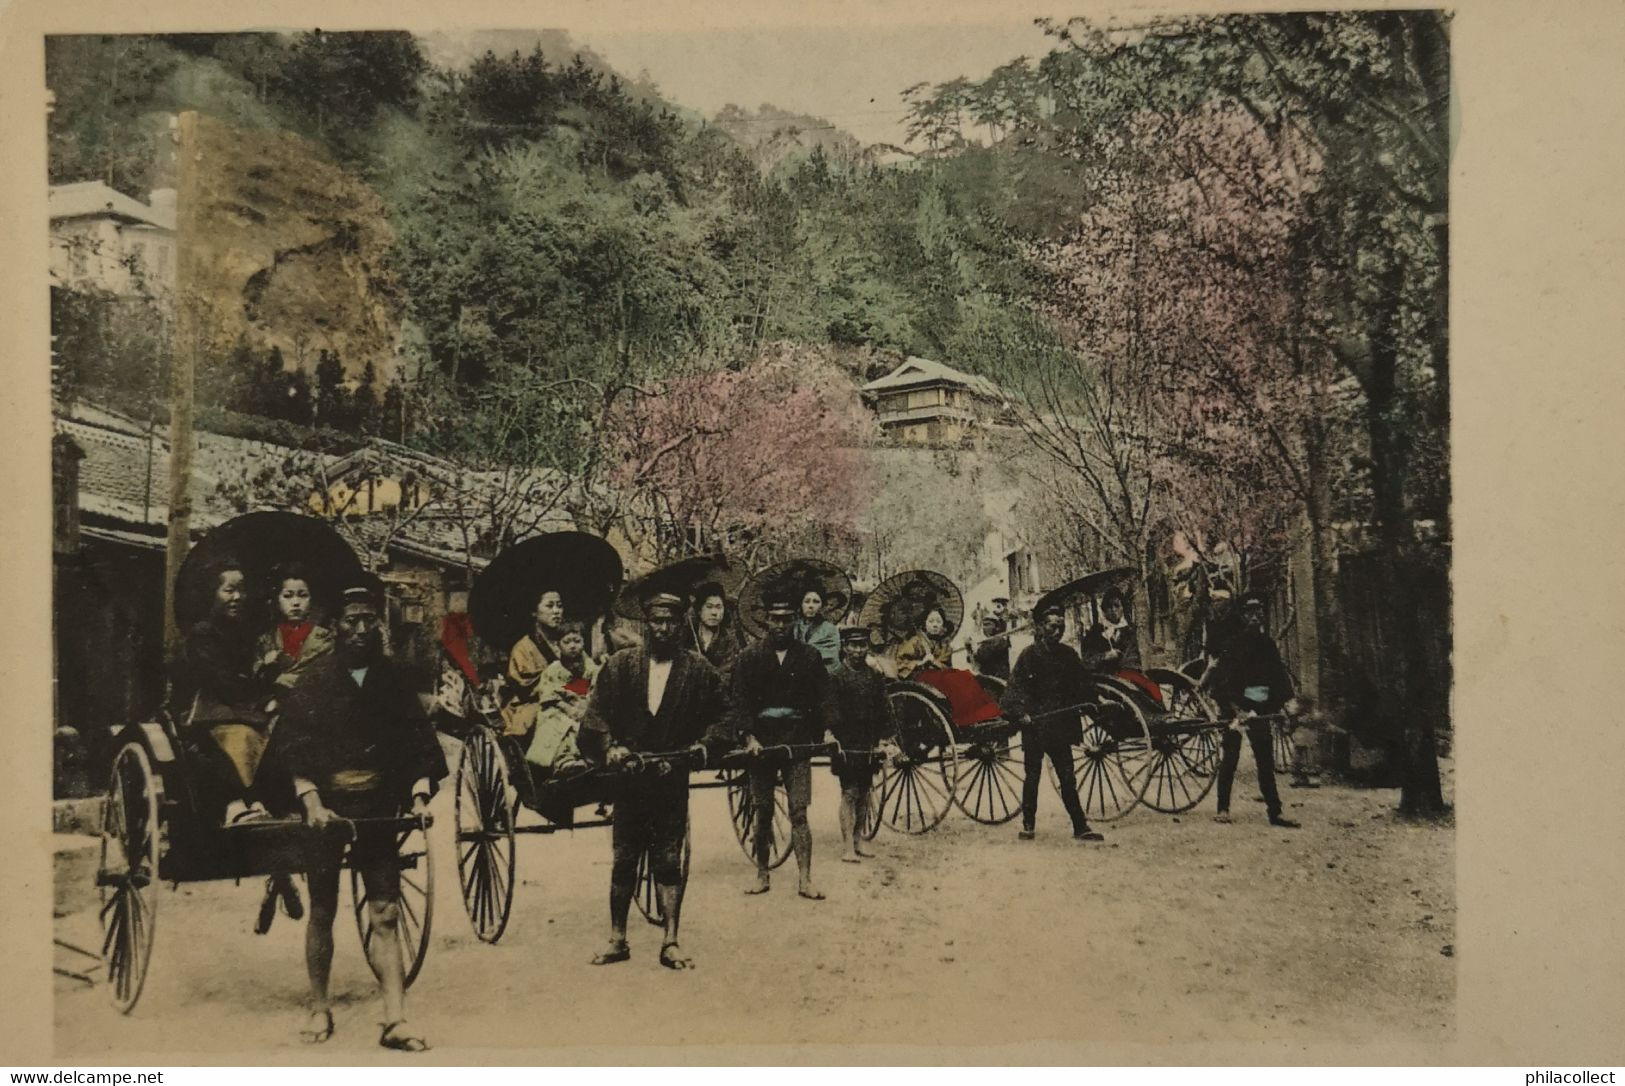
x,y
1176,930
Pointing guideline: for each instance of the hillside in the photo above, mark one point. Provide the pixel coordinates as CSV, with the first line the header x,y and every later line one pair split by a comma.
x,y
294,250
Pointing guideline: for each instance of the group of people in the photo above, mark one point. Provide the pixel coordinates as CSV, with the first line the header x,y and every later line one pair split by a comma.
x,y
302,719
292,716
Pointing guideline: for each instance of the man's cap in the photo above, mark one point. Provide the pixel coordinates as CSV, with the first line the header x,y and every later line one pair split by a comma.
x,y
1050,609
1001,599
855,635
363,589
781,599
1252,599
661,600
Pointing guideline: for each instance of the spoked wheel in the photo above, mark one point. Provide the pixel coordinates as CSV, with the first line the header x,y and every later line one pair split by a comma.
x,y
417,902
1183,762
485,840
647,901
1111,760
1281,736
987,786
917,785
742,812
128,875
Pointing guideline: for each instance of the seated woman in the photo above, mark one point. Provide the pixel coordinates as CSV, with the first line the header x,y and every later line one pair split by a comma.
x,y
712,634
812,628
927,657
531,656
219,693
288,648
1112,646
562,701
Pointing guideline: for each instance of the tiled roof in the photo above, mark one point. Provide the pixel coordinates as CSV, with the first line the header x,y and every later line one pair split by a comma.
x,y
923,371
124,478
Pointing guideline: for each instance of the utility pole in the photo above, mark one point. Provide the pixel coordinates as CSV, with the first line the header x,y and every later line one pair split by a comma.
x,y
183,367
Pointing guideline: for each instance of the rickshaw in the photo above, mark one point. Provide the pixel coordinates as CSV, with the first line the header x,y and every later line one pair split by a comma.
x,y
953,746
1150,736
154,828
493,781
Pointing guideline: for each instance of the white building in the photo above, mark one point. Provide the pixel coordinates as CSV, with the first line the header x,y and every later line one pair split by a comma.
x,y
102,239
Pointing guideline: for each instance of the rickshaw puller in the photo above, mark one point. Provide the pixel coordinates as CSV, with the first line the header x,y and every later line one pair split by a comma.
x,y
653,697
859,723
779,696
1250,680
357,742
1048,676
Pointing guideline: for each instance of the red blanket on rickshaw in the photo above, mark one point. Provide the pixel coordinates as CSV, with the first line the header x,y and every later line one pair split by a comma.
x,y
968,703
1144,682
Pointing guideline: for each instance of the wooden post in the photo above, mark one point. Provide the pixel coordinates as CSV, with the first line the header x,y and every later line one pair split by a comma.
x,y
183,366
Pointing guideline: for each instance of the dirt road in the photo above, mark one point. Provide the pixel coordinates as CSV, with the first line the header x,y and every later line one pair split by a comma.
x,y
1174,930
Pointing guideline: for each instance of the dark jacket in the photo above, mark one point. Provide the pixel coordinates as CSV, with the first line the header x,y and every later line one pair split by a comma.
x,y
800,685
992,657
216,670
1046,677
722,650
330,725
860,715
1249,658
1096,645
693,708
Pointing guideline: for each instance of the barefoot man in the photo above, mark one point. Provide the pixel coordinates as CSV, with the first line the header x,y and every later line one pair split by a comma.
x,y
859,721
359,746
654,697
779,693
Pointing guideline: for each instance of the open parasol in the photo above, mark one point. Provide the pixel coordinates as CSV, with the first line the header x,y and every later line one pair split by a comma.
x,y
796,577
261,542
681,578
582,568
1090,585
898,604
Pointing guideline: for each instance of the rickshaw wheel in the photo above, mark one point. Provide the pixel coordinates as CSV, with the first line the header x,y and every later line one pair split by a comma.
x,y
1281,736
644,896
987,786
128,874
417,902
1184,748
918,785
485,835
740,810
1111,758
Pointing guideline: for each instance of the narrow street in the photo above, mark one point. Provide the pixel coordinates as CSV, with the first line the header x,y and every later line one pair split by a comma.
x,y
1173,930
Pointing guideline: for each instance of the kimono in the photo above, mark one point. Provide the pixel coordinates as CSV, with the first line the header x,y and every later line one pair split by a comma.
x,y
779,703
651,812
1047,677
921,651
860,718
720,652
561,703
1102,639
363,746
530,657
219,692
1250,674
285,652
822,635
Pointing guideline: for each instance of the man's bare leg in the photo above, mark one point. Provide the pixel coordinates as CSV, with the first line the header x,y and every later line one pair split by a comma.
x,y
622,885
860,815
849,826
670,900
324,900
801,843
762,837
